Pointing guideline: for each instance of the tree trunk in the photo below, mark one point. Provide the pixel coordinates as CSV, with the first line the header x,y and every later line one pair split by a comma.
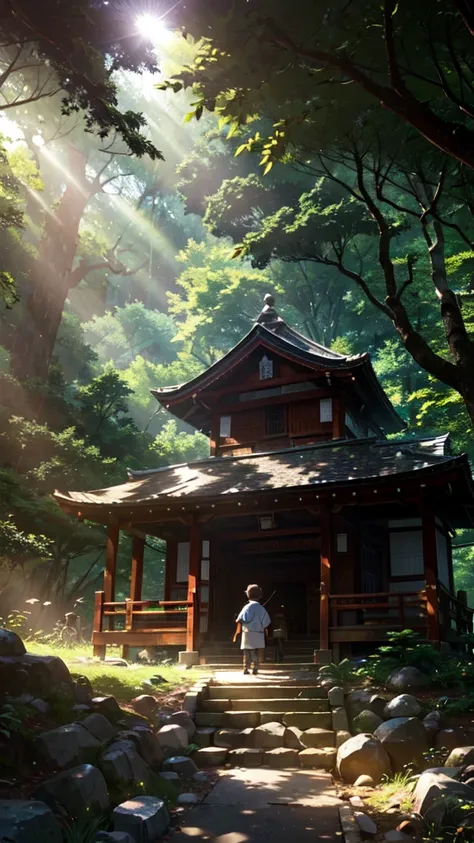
x,y
50,280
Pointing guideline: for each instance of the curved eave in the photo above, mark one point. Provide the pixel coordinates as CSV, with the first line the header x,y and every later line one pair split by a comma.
x,y
163,504
180,400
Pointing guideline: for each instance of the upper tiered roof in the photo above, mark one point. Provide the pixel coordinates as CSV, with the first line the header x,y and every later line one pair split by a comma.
x,y
271,333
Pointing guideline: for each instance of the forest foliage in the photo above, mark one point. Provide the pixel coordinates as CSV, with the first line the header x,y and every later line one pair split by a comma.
x,y
138,251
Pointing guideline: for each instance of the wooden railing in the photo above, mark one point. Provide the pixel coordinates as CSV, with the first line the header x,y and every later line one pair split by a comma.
x,y
383,608
455,616
145,616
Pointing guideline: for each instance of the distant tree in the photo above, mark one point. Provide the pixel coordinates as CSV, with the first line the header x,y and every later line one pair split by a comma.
x,y
120,335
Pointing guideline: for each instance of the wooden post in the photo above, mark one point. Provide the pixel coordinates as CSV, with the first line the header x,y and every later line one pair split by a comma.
x,y
194,579
99,649
136,580
113,534
326,560
430,560
170,566
125,648
110,563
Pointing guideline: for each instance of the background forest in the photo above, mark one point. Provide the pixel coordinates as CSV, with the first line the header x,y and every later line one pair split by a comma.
x,y
137,249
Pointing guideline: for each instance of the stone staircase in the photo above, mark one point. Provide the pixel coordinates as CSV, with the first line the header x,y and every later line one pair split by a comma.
x,y
298,651
271,722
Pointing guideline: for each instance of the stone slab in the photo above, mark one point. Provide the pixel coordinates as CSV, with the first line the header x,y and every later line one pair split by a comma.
x,y
210,756
318,759
246,757
281,758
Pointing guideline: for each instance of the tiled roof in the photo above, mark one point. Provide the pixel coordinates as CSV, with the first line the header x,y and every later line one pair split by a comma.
x,y
336,463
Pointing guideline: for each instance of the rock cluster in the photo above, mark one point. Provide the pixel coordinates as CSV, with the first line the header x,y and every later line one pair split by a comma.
x,y
106,760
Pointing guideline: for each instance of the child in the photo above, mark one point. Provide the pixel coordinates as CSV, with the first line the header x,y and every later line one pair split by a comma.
x,y
253,620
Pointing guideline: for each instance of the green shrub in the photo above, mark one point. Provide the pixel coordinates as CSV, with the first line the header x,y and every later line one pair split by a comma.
x,y
340,674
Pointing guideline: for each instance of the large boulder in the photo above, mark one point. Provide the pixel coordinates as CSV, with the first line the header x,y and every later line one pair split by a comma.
x,y
99,727
24,821
405,740
402,706
108,706
37,675
436,794
172,737
148,745
461,756
145,818
67,746
407,678
182,718
124,770
76,792
11,643
366,722
145,704
363,755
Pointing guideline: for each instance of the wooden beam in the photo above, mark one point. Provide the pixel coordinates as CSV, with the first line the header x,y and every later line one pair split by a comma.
x,y
136,579
326,554
194,583
430,561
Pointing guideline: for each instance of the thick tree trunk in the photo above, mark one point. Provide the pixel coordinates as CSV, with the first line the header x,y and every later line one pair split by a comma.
x,y
51,278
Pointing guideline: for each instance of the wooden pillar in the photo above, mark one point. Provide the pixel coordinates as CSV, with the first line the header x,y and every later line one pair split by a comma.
x,y
430,561
110,563
326,555
194,585
136,579
113,533
170,566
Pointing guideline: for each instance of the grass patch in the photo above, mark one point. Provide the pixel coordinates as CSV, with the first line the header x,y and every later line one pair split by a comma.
x,y
124,683
398,789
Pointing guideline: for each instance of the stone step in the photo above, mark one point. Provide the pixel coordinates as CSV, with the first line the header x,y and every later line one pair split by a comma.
x,y
280,757
264,667
278,704
236,658
232,719
247,691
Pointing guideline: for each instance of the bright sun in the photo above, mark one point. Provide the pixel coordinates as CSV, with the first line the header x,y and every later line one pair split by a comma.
x,y
153,28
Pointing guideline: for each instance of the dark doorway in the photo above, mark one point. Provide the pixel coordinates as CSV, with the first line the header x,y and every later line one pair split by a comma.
x,y
290,598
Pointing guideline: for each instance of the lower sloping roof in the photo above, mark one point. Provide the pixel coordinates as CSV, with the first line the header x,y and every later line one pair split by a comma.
x,y
336,462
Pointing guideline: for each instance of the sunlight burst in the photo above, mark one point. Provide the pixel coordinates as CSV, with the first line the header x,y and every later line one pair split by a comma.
x,y
153,28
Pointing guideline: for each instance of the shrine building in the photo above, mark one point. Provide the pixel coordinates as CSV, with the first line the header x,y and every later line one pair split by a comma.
x,y
347,531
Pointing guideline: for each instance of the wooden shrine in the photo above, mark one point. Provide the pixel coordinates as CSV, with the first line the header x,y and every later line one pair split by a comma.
x,y
302,493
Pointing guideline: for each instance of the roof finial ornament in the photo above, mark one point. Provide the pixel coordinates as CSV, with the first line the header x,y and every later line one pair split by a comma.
x,y
268,317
